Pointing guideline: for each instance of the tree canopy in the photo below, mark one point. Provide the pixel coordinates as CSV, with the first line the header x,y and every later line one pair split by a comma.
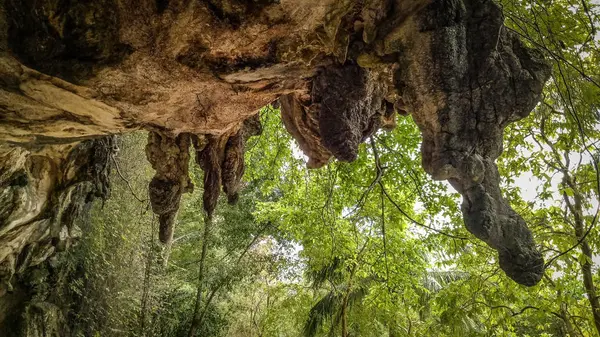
x,y
369,248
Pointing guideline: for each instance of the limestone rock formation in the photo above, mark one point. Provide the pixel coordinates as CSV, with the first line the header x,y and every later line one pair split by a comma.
x,y
41,195
482,78
346,105
169,157
195,73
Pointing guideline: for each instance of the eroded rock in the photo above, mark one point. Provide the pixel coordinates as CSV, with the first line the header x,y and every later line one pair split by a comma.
x,y
303,125
235,12
222,160
42,194
64,37
221,157
211,158
169,157
346,105
74,70
464,78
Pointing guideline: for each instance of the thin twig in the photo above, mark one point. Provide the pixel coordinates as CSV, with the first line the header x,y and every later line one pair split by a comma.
x,y
126,181
378,181
594,220
417,222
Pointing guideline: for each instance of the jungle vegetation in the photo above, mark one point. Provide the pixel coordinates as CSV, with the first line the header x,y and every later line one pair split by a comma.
x,y
370,248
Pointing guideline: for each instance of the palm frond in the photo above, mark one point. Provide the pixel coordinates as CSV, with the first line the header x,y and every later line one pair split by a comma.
x,y
330,272
322,312
329,308
435,281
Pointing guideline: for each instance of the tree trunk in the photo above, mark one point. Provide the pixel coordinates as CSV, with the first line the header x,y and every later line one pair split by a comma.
x,y
147,283
392,331
346,299
344,316
590,288
201,269
567,321
576,208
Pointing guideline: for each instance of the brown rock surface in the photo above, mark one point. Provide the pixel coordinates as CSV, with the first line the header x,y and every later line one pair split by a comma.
x,y
196,72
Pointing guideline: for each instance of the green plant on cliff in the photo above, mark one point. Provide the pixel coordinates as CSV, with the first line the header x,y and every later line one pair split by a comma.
x,y
370,248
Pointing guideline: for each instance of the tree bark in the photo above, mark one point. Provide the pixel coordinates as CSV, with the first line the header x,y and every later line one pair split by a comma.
x,y
567,322
201,269
576,209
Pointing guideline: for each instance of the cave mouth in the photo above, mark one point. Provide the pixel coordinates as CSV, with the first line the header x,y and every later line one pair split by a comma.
x,y
195,75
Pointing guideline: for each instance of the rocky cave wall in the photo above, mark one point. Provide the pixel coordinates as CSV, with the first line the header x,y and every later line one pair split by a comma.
x,y
194,74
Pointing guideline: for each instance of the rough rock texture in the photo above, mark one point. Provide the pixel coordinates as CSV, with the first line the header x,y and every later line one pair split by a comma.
x,y
182,67
221,157
41,195
465,78
40,110
346,105
169,157
222,160
303,125
196,72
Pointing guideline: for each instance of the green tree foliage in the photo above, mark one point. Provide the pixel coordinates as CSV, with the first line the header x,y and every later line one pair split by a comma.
x,y
370,248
